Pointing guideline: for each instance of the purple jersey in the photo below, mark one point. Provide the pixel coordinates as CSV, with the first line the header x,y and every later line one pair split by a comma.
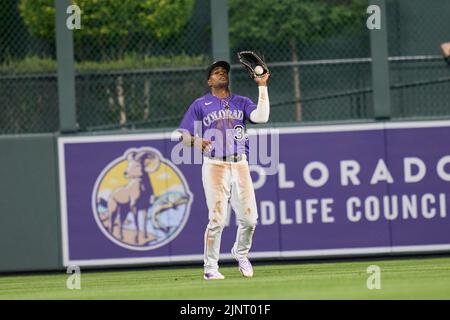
x,y
223,121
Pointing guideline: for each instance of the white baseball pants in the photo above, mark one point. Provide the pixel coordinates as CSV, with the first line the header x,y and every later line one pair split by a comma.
x,y
227,183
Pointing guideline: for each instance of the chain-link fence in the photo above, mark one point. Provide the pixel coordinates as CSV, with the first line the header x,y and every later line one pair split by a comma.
x,y
310,81
147,76
136,99
139,64
28,82
420,78
316,52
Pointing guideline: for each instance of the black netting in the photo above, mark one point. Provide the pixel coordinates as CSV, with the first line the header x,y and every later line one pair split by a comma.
x,y
420,79
139,64
28,83
146,74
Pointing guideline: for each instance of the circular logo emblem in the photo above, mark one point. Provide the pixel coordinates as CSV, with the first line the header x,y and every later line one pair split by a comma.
x,y
141,201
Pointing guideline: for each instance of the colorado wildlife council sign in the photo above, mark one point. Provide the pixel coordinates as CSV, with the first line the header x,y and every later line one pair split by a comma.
x,y
338,190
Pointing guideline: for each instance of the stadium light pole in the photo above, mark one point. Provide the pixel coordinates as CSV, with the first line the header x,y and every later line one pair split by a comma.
x,y
66,74
380,66
220,32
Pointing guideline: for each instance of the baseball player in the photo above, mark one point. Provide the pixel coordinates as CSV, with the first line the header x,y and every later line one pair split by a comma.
x,y
216,124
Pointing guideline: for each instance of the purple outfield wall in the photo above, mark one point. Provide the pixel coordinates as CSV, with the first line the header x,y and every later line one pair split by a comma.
x,y
339,191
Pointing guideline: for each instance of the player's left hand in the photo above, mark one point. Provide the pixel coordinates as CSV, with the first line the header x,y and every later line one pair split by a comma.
x,y
262,80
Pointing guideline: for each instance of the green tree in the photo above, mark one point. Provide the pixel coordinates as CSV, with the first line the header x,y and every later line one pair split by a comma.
x,y
106,21
290,22
117,29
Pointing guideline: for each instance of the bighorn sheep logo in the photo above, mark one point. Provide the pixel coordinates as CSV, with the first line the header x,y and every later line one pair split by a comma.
x,y
137,194
141,201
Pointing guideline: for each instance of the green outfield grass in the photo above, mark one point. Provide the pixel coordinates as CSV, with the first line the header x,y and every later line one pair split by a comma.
x,y
413,278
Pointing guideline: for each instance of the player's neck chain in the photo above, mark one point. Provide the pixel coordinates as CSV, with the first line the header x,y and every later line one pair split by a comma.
x,y
227,97
224,101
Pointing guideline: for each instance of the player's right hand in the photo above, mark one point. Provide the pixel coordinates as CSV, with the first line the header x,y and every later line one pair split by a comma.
x,y
262,80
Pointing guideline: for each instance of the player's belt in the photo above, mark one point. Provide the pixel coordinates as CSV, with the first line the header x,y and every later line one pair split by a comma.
x,y
232,158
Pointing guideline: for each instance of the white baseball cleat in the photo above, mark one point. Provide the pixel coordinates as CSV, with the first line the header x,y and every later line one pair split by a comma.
x,y
213,275
245,267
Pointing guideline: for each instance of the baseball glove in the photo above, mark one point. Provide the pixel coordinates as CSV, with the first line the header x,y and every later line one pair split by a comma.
x,y
250,60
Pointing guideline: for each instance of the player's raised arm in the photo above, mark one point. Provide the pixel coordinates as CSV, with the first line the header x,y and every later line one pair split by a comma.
x,y
262,111
258,71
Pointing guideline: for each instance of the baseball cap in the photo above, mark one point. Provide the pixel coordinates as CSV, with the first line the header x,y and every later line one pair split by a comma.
x,y
215,64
